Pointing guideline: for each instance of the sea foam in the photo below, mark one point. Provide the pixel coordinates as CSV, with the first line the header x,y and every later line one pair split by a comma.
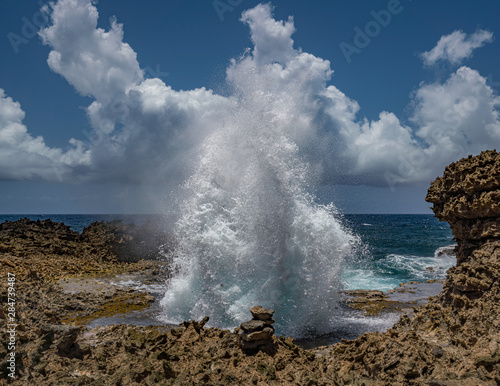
x,y
250,232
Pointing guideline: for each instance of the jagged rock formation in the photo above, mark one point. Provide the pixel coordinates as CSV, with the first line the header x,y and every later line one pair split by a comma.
x,y
23,237
468,197
455,338
102,241
129,242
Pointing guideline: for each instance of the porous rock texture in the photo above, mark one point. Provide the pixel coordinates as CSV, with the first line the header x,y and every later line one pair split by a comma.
x,y
129,242
455,338
54,348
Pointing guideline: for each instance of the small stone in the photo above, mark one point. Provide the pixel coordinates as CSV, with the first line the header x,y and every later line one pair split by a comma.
x,y
265,334
258,332
438,352
21,327
253,325
261,313
190,335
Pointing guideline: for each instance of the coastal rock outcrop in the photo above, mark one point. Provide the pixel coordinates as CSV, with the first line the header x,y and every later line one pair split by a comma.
x,y
455,338
467,196
129,242
100,241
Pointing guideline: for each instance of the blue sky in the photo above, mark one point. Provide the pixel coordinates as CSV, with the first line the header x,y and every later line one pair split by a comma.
x,y
438,106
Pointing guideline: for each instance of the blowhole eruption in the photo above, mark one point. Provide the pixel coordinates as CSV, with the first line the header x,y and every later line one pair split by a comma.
x,y
250,230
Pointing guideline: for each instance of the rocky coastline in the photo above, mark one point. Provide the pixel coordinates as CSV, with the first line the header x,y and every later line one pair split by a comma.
x,y
454,339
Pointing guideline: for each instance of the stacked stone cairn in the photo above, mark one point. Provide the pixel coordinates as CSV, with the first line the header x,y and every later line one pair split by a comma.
x,y
257,334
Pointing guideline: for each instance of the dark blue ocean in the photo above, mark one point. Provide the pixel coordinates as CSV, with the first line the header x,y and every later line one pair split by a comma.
x,y
396,248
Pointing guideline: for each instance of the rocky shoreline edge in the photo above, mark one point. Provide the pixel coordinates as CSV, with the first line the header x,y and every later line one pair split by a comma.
x,y
454,339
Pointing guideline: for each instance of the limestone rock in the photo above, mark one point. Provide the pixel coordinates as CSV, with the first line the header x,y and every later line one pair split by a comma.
x,y
452,339
261,313
252,326
264,334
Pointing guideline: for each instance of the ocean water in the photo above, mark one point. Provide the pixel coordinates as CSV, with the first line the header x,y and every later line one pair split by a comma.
x,y
399,248
391,249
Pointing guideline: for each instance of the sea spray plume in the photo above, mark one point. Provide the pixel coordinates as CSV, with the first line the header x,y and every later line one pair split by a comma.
x,y
250,232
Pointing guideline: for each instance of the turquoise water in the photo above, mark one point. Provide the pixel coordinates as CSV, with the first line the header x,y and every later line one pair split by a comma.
x,y
398,248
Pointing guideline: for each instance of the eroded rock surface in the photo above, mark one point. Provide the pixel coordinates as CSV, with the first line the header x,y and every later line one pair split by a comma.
x,y
129,242
454,339
40,254
400,300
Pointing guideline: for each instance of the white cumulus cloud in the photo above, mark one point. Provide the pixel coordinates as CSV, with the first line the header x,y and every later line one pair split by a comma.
x,y
143,131
97,63
456,47
24,157
271,38
458,117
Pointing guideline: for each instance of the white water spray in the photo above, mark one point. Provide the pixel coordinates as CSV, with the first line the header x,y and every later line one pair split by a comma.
x,y
250,232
